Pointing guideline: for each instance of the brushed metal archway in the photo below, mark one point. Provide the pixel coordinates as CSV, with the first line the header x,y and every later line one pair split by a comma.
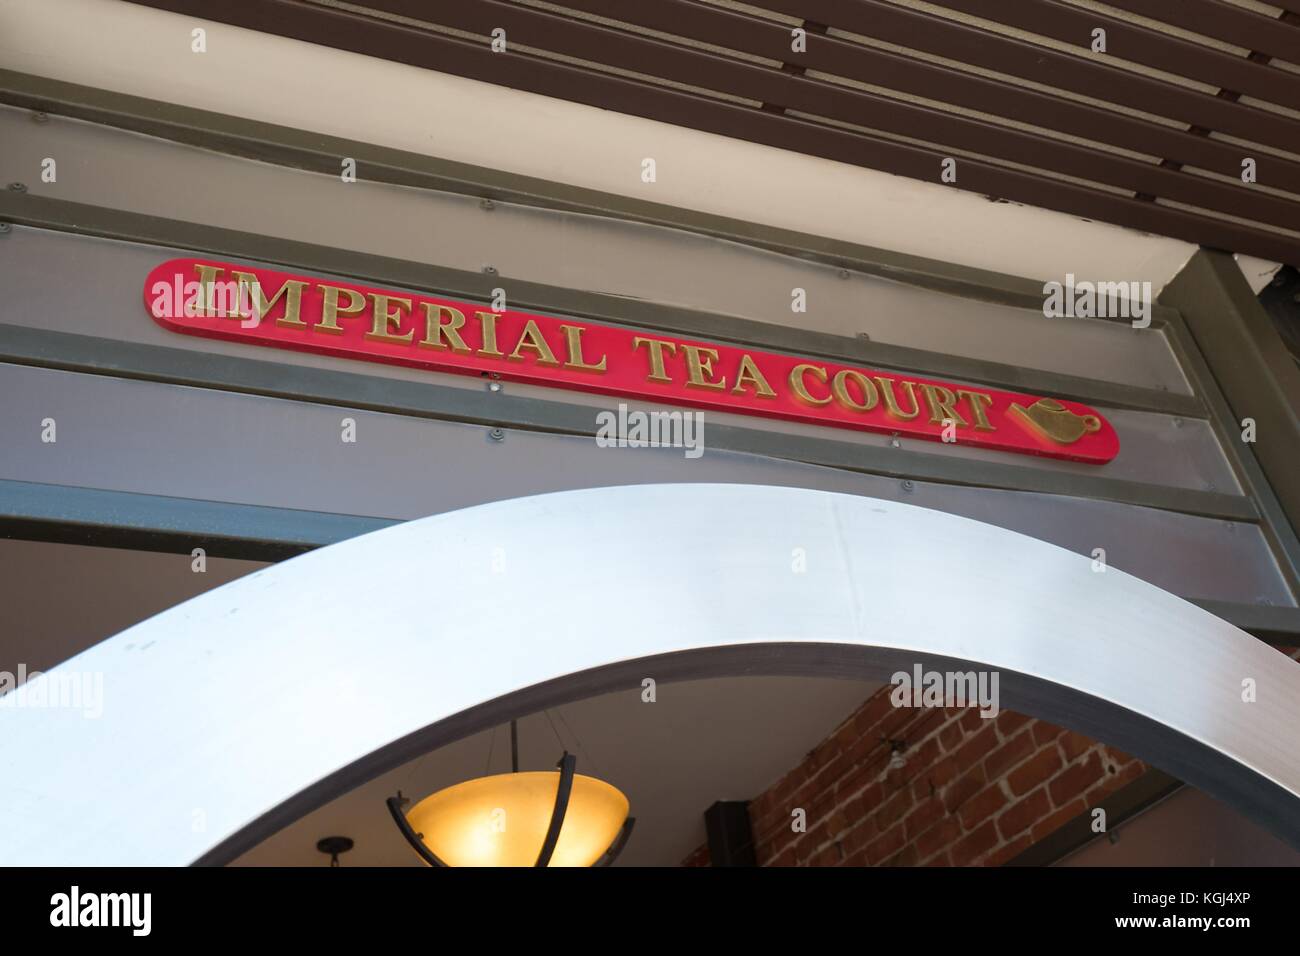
x,y
232,714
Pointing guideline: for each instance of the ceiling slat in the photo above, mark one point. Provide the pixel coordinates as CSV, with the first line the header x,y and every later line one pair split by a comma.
x,y
826,54
1279,37
966,44
368,36
596,43
1143,45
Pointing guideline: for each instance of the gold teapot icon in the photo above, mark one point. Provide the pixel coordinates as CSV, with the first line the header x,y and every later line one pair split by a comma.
x,y
1052,420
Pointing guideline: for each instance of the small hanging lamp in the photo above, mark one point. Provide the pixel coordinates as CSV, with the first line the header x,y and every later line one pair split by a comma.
x,y
542,818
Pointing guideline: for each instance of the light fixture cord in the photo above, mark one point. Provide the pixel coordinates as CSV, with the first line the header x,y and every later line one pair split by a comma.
x,y
514,746
577,744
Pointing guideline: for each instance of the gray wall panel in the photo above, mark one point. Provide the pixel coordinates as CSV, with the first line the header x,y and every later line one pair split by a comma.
x,y
109,167
194,443
105,299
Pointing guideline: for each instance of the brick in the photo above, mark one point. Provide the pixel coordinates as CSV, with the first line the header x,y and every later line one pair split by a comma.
x,y
1009,721
1057,820
885,846
1038,768
977,747
982,806
1024,813
938,837
829,856
1045,732
923,816
1130,772
1075,745
856,859
904,857
943,772
893,810
1075,780
785,858
962,789
939,859
974,845
861,835
871,713
894,724
846,734
952,734
834,771
1008,850
922,758
859,780
1018,748
927,722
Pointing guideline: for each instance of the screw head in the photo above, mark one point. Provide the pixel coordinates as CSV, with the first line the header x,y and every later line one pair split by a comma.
x,y
4,228
494,386
843,273
497,434
17,188
487,204
41,117
490,270
908,485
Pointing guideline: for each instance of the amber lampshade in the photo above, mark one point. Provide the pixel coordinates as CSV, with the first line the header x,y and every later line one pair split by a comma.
x,y
502,820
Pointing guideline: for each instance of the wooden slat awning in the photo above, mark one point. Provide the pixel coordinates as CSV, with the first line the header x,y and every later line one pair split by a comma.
x,y
1151,134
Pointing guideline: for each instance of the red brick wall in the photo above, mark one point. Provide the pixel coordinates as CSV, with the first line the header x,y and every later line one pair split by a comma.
x,y
973,791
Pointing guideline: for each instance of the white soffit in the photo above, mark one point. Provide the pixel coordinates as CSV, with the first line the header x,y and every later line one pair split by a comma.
x,y
131,49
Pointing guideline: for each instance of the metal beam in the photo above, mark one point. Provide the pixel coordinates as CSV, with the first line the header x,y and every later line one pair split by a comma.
x,y
100,356
1251,364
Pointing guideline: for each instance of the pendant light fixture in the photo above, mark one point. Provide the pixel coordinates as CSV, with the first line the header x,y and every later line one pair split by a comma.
x,y
541,818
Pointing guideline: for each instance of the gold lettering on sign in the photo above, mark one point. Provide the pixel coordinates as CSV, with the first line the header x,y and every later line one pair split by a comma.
x,y
891,401
207,276
443,322
699,363
975,398
839,386
331,310
940,401
656,348
532,340
800,387
384,322
487,322
749,374
291,291
573,342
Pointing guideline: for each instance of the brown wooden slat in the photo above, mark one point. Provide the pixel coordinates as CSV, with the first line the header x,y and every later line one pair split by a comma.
x,y
762,37
371,37
1140,44
966,44
596,43
1222,21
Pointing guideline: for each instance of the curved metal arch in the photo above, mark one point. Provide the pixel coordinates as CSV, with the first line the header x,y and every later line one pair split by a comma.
x,y
261,700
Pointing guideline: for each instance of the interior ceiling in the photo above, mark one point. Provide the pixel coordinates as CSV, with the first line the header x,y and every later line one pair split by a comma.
x,y
1150,135
700,741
